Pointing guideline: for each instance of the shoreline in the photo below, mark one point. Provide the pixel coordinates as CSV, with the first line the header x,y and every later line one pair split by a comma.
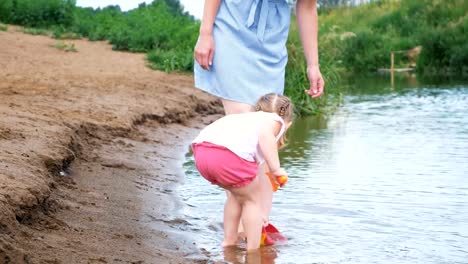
x,y
82,144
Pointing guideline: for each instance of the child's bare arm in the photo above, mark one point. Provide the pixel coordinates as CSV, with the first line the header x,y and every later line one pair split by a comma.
x,y
268,145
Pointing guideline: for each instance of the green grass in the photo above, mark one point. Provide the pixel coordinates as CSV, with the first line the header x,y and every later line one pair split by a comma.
x,y
37,13
67,47
36,31
170,60
66,35
3,27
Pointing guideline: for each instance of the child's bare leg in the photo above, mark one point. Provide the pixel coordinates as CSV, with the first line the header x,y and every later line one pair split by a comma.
x,y
253,222
266,196
266,191
249,199
232,215
240,229
232,107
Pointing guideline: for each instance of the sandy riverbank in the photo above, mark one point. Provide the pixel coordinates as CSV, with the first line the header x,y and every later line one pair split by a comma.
x,y
90,149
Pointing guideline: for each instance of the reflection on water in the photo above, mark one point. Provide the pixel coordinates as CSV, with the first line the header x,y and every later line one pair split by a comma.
x,y
385,180
266,255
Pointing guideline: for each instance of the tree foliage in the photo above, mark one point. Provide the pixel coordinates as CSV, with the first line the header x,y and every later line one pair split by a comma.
x,y
369,33
37,13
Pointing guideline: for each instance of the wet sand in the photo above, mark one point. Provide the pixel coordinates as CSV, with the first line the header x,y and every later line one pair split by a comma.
x,y
91,145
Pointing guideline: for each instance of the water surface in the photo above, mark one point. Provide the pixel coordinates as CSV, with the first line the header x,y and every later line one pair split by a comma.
x,y
383,180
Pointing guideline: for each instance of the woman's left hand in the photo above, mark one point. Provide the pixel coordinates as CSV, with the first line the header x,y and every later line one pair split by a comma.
x,y
316,81
204,50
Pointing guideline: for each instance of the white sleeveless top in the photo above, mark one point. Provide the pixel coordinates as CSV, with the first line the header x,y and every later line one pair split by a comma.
x,y
239,133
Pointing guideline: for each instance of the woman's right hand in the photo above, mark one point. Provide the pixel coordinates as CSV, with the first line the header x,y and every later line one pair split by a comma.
x,y
316,81
204,50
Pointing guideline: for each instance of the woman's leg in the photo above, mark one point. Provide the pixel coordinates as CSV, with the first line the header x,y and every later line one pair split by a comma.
x,y
252,219
231,107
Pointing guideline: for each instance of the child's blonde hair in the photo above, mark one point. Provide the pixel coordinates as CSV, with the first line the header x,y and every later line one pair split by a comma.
x,y
279,104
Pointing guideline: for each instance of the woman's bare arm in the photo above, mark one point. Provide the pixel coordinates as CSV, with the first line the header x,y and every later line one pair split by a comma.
x,y
209,14
204,50
307,21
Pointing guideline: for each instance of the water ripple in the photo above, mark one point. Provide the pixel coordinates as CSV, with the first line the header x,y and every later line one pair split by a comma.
x,y
385,182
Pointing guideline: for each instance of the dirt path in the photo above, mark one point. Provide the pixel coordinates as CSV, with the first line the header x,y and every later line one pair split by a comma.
x,y
90,146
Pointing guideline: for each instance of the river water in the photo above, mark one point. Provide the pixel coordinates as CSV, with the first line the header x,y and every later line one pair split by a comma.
x,y
383,180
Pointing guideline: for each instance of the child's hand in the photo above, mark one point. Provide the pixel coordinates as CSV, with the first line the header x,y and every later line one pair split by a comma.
x,y
280,176
279,172
282,180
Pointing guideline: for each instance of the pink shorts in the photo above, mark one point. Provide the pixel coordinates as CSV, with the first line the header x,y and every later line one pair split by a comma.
x,y
221,166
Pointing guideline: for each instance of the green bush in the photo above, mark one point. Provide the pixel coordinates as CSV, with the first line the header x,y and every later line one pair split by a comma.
x,y
155,27
37,13
389,25
6,11
366,52
445,50
172,60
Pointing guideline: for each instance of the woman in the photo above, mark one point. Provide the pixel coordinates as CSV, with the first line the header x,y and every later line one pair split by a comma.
x,y
241,55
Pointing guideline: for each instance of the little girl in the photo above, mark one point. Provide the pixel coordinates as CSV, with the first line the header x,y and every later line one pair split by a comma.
x,y
227,153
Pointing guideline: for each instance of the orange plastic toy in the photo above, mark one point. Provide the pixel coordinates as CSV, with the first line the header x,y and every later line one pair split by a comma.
x,y
280,179
271,235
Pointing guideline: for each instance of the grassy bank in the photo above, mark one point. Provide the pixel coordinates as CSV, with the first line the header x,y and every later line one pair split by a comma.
x,y
359,40
161,29
352,39
363,37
